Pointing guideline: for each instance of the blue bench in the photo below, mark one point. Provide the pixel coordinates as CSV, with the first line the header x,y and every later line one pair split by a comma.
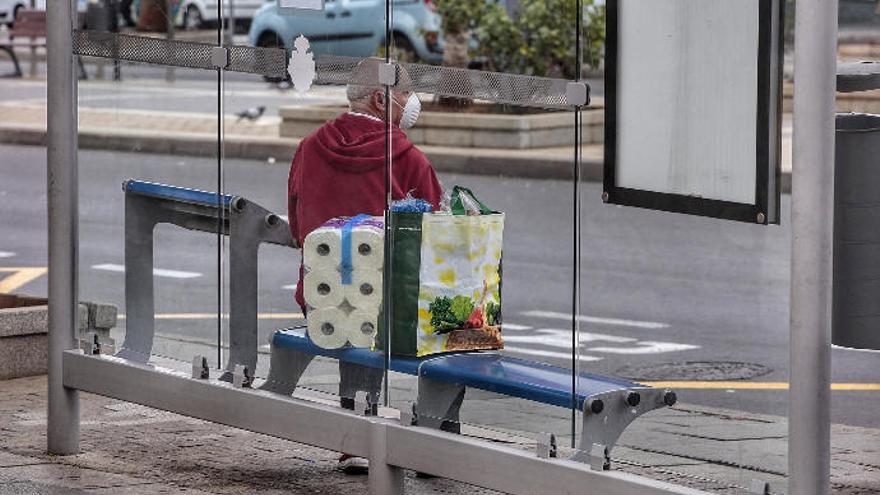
x,y
608,404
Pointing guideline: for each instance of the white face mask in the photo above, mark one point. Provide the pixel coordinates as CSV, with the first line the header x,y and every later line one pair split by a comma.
x,y
410,112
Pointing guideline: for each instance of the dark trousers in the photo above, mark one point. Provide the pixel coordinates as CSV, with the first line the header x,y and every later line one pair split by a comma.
x,y
125,10
354,378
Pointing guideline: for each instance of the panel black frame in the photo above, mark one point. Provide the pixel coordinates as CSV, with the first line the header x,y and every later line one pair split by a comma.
x,y
765,210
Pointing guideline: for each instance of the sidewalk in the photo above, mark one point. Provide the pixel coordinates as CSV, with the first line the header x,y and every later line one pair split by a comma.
x,y
128,448
185,133
196,134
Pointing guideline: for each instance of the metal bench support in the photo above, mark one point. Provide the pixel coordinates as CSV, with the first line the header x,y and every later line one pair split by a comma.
x,y
438,405
606,416
10,50
248,225
142,214
287,367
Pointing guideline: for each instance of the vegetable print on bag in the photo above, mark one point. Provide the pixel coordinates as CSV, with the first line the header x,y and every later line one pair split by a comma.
x,y
460,283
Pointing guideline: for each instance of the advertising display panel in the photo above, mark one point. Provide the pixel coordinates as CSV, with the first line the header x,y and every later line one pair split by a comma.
x,y
694,107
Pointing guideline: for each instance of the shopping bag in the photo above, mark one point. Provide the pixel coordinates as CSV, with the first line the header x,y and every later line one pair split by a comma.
x,y
446,279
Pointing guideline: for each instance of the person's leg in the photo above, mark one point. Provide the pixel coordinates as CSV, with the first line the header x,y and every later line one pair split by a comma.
x,y
354,378
125,8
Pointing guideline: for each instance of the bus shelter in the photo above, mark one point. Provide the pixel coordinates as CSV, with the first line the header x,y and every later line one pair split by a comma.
x,y
344,294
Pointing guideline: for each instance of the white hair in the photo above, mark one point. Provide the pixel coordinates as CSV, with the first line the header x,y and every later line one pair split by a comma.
x,y
357,92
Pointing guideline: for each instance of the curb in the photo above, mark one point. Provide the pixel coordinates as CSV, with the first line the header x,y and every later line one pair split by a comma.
x,y
502,163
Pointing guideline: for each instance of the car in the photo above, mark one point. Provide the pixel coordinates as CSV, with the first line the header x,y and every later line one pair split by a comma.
x,y
354,28
197,13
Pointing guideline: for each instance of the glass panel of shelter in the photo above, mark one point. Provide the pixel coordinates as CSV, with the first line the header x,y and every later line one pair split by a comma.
x,y
495,119
149,208
306,148
696,306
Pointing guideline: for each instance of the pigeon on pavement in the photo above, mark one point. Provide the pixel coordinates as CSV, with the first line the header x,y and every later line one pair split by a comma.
x,y
251,114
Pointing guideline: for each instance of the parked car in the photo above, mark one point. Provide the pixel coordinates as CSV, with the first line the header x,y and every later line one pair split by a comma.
x,y
197,13
353,28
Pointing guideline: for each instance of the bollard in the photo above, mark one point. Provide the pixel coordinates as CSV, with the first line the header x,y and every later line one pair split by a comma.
x,y
856,282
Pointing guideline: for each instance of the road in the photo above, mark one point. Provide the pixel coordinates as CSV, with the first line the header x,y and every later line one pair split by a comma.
x,y
656,287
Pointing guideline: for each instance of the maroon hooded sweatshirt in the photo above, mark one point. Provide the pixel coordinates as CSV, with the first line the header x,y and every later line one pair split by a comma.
x,y
339,170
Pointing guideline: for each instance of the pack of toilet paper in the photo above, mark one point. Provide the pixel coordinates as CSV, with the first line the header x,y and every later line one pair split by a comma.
x,y
343,281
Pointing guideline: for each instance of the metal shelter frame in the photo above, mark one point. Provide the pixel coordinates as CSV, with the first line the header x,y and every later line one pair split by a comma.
x,y
392,446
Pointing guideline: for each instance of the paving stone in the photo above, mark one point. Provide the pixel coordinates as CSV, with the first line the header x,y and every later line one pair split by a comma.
x,y
23,487
8,459
651,459
149,451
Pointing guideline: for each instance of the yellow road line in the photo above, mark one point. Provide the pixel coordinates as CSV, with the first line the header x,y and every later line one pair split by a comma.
x,y
20,276
850,387
211,316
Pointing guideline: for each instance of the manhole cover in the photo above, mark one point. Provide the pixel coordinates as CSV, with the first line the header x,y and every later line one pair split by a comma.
x,y
694,370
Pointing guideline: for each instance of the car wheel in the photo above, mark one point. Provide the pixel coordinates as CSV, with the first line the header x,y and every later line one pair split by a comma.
x,y
271,40
402,50
192,18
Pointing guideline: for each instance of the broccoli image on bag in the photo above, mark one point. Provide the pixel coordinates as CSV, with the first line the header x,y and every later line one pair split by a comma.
x,y
442,317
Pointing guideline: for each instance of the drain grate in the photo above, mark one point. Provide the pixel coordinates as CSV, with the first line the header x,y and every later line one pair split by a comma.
x,y
694,370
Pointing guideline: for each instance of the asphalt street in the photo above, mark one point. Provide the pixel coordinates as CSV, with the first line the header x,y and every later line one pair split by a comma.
x,y
656,287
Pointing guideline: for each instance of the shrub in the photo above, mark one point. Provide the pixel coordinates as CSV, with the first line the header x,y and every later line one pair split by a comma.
x,y
539,39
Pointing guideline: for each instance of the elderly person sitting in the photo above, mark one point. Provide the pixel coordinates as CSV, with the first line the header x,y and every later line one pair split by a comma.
x,y
339,170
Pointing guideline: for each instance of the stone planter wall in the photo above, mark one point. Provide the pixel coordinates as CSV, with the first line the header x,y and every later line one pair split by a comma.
x,y
24,328
472,130
23,336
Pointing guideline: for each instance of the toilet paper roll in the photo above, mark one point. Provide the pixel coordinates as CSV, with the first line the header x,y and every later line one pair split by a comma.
x,y
367,248
327,327
365,290
322,249
323,289
362,328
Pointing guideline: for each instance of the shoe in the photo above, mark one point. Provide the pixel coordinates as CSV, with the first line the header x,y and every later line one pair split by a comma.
x,y
353,465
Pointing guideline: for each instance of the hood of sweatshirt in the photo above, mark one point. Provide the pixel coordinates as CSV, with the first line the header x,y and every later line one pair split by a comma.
x,y
356,143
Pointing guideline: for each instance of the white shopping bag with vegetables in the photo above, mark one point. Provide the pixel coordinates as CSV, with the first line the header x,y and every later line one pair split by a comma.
x,y
446,284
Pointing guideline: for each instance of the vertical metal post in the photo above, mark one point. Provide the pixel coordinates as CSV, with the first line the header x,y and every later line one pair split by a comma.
x,y
33,71
385,479
63,414
169,35
812,219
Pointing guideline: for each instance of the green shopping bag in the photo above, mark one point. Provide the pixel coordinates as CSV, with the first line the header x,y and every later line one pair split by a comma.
x,y
446,279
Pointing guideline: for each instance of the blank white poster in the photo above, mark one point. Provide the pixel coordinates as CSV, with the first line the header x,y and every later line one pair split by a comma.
x,y
687,97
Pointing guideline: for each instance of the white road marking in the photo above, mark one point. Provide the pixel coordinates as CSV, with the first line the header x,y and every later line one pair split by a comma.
x,y
652,325
6,254
159,272
289,287
646,347
554,337
549,354
514,327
